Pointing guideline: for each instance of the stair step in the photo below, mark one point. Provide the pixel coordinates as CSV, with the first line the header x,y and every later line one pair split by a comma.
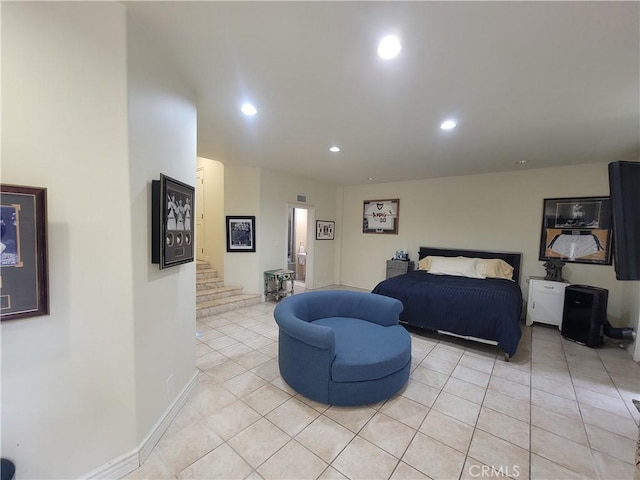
x,y
225,304
209,283
206,273
202,265
208,294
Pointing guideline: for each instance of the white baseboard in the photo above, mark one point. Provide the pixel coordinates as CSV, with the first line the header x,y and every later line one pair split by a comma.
x,y
128,462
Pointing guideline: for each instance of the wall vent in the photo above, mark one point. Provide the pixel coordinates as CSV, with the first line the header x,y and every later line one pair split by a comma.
x,y
302,198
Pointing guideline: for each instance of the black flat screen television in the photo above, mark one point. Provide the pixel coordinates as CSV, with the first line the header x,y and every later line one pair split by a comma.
x,y
624,186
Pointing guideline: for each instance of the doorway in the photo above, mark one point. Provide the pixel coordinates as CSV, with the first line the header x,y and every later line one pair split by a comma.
x,y
298,244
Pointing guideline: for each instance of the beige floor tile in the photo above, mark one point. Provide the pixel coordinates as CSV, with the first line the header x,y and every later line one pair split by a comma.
x,y
477,362
210,360
622,425
509,388
268,371
209,398
514,407
407,472
438,365
543,469
505,427
153,467
292,416
433,458
562,389
221,463
244,384
266,398
251,359
515,374
258,442
465,390
292,461
258,341
187,445
564,452
363,460
474,470
447,430
472,376
186,416
224,371
458,408
221,342
202,349
612,468
567,427
499,454
232,419
611,444
443,352
421,393
429,377
325,438
554,403
405,410
331,473
388,434
353,418
605,402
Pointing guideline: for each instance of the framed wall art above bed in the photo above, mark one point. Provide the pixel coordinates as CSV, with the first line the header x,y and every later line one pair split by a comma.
x,y
381,216
577,230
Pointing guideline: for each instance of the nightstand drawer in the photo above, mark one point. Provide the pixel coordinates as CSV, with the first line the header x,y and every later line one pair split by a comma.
x,y
547,286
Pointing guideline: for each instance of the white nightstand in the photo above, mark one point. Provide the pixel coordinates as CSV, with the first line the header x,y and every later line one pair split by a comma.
x,y
546,301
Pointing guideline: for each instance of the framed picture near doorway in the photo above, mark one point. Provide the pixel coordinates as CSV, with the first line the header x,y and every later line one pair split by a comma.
x,y
241,233
24,283
577,230
325,230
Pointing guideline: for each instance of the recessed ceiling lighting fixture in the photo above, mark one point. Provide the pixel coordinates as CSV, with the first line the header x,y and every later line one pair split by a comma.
x,y
248,109
448,125
370,178
334,149
389,47
521,162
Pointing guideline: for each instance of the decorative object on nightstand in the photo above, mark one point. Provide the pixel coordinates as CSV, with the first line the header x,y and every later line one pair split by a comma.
x,y
398,267
546,301
275,284
554,270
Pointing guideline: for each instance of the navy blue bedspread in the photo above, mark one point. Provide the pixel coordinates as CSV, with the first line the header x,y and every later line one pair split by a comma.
x,y
484,308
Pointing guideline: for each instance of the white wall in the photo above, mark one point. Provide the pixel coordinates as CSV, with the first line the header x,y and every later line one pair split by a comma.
x,y
500,211
162,139
86,384
68,382
214,235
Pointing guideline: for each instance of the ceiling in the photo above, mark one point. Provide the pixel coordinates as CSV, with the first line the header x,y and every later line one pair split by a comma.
x,y
549,83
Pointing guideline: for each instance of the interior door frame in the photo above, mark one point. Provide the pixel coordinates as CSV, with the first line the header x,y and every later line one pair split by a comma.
x,y
311,239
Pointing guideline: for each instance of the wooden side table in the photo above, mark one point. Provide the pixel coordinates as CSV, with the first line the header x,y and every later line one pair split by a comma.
x,y
275,284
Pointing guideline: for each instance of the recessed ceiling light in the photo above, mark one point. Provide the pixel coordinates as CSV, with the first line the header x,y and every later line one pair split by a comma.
x,y
334,149
248,109
521,162
370,178
389,47
448,125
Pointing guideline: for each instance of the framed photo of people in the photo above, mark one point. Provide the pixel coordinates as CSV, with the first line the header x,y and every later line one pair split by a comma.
x,y
241,233
172,239
381,216
24,272
577,230
325,230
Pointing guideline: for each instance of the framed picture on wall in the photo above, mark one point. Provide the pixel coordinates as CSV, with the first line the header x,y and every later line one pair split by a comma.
x,y
172,239
325,230
241,233
24,278
577,230
381,216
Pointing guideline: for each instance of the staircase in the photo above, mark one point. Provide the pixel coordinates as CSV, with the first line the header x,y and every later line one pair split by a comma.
x,y
213,297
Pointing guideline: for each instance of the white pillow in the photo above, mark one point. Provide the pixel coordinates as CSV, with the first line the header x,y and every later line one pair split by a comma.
x,y
458,266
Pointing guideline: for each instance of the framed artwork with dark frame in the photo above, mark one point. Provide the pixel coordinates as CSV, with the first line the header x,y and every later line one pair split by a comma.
x,y
172,208
241,233
381,216
325,230
577,230
24,270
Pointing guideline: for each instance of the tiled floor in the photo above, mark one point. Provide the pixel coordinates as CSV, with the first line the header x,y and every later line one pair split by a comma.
x,y
558,410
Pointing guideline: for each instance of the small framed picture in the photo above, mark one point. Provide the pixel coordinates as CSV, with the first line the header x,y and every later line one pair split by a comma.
x,y
381,216
241,233
172,238
325,229
24,284
577,230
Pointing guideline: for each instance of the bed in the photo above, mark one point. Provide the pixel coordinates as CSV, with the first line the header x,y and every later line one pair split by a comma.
x,y
481,309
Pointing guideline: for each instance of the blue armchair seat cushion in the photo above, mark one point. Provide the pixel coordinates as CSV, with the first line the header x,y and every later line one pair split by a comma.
x,y
365,350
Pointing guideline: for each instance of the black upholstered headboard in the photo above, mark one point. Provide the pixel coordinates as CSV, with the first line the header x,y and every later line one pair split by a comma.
x,y
511,258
